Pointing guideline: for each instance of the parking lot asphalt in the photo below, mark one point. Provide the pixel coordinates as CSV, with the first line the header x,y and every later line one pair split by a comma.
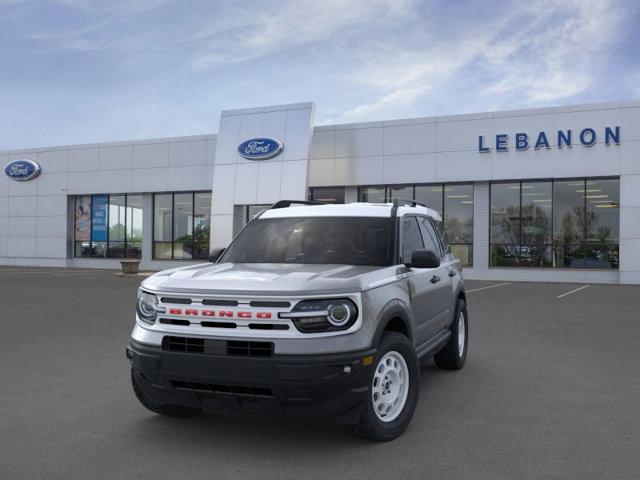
x,y
551,390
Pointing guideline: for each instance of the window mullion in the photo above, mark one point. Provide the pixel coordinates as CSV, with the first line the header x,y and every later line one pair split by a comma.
x,y
91,226
584,240
553,213
193,224
173,223
107,215
126,200
520,227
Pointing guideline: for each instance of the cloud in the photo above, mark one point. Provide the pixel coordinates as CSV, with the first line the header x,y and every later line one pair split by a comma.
x,y
398,98
541,53
124,69
289,23
406,76
552,61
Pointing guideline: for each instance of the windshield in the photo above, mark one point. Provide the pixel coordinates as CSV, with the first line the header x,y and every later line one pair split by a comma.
x,y
317,240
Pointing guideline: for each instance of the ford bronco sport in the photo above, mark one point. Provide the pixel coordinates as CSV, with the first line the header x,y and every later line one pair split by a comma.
x,y
322,310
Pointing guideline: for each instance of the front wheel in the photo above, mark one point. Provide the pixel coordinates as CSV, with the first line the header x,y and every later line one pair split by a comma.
x,y
454,353
393,391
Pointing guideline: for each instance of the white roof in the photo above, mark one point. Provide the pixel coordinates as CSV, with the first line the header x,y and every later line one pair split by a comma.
x,y
357,209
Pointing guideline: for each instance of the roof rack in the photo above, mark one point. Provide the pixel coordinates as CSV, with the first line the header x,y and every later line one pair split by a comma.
x,y
402,202
288,203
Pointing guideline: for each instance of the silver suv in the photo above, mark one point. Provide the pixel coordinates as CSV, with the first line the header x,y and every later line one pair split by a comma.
x,y
322,310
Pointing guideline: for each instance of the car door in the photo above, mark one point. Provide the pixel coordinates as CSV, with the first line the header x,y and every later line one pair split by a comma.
x,y
423,288
445,273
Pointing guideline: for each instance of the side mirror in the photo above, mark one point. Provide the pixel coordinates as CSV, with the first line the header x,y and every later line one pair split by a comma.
x,y
424,259
215,254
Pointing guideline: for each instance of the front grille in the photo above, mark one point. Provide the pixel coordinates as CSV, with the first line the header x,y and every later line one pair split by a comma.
x,y
218,324
215,324
183,344
268,326
249,349
269,304
177,301
175,321
220,303
229,389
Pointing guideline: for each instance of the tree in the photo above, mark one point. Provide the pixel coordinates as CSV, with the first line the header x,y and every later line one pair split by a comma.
x,y
116,232
199,238
525,234
459,232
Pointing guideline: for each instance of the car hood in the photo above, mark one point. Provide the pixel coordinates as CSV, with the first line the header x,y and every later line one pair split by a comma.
x,y
269,278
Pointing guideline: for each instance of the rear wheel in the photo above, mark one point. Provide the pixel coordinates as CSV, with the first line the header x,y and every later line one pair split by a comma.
x,y
454,354
393,391
166,410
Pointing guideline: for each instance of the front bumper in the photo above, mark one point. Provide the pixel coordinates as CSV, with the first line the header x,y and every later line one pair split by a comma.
x,y
334,385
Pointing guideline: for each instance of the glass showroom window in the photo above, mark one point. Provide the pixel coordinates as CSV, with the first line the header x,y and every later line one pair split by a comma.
x,y
586,223
108,226
454,202
327,194
430,195
566,224
457,214
251,211
372,194
181,225
521,224
400,191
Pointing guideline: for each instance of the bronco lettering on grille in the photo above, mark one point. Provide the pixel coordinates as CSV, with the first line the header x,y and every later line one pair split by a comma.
x,y
219,313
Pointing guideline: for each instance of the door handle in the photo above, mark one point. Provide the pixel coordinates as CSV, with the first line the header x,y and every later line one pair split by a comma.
x,y
435,279
452,273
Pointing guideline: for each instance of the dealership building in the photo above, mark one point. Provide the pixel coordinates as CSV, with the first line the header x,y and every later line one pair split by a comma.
x,y
548,194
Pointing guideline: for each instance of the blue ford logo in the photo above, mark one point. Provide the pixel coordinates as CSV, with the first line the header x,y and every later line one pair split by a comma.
x,y
22,170
260,148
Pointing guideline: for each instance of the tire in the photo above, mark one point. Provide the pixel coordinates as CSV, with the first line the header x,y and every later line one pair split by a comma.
x,y
450,357
166,410
398,349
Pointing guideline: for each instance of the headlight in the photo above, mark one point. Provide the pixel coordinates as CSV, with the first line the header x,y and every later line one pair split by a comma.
x,y
147,306
313,316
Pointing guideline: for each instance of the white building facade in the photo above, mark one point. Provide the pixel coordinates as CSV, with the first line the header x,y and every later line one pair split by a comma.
x,y
549,194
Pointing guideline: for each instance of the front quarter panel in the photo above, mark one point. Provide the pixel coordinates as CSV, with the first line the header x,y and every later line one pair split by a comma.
x,y
387,302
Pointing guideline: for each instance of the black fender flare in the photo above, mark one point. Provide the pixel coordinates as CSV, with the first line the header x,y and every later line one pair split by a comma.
x,y
393,309
460,295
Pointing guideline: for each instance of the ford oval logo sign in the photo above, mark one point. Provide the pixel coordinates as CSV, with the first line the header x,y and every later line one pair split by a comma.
x,y
260,148
22,170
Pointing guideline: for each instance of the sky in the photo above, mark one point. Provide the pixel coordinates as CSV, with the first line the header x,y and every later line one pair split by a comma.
x,y
80,71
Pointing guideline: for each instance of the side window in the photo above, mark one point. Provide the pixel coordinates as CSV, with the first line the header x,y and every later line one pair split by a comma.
x,y
429,235
442,235
411,238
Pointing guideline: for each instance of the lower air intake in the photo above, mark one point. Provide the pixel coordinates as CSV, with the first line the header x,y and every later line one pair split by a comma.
x,y
229,389
183,344
249,349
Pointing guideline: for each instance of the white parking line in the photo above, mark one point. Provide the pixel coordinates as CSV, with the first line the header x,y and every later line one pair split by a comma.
x,y
573,291
488,286
75,274
56,273
21,271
